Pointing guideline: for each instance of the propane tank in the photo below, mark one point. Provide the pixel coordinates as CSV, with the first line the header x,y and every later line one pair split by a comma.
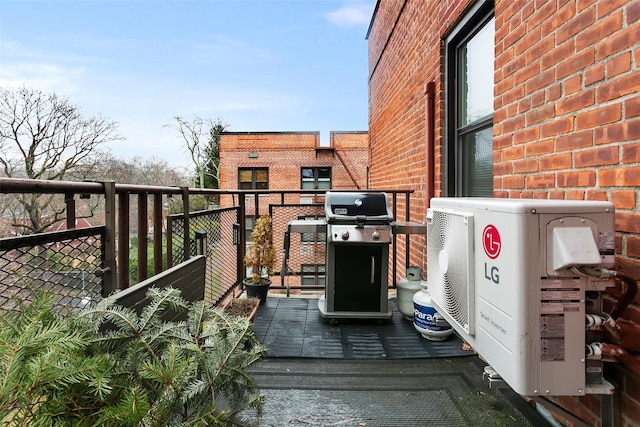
x,y
426,319
407,287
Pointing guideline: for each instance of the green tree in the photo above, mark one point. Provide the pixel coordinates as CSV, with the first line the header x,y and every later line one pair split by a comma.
x,y
212,154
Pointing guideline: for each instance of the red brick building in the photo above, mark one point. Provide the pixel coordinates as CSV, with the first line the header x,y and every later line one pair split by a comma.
x,y
293,161
513,99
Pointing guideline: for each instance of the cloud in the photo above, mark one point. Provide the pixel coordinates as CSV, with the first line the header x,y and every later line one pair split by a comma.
x,y
231,49
351,15
47,71
45,76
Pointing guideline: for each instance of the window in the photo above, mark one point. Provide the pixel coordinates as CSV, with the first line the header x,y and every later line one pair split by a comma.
x,y
313,274
253,179
470,54
315,178
316,238
249,222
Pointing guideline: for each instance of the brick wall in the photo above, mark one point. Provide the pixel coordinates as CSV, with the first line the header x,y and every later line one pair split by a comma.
x,y
566,120
567,126
405,54
567,115
285,153
351,159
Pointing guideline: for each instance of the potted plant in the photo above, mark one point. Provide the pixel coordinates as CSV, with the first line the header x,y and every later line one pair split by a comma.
x,y
260,258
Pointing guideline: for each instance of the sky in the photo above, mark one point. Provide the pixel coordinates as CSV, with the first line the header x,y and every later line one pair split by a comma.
x,y
257,65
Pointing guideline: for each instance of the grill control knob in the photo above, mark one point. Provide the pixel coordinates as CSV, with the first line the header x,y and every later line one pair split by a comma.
x,y
375,235
345,235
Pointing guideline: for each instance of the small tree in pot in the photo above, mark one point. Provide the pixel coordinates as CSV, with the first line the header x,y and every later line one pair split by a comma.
x,y
260,257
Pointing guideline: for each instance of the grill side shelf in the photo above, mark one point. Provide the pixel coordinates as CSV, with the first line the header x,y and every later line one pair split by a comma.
x,y
398,227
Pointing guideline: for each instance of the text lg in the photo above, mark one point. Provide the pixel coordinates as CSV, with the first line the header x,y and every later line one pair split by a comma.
x,y
492,273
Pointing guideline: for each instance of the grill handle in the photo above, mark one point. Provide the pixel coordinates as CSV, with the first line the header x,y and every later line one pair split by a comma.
x,y
285,253
373,269
285,258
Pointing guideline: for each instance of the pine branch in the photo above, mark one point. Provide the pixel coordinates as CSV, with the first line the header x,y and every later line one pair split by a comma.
x,y
110,366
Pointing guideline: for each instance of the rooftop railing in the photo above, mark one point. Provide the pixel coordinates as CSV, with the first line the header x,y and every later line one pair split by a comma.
x,y
133,235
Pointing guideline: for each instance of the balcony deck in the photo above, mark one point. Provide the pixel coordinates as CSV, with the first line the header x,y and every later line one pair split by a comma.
x,y
357,374
292,327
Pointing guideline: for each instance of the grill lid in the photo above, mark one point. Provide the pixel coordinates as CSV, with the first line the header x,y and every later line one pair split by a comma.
x,y
357,207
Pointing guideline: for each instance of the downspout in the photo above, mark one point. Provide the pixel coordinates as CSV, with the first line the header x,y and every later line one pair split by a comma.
x,y
429,131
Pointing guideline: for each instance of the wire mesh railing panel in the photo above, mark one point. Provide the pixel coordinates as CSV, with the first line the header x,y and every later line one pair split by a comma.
x,y
65,269
214,234
222,255
177,254
306,258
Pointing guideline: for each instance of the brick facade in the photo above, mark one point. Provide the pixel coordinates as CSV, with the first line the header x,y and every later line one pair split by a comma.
x,y
566,122
286,153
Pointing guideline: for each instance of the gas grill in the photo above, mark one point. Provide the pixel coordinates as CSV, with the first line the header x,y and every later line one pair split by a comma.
x,y
358,229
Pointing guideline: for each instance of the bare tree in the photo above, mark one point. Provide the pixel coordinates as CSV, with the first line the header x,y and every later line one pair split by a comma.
x,y
205,155
44,136
139,171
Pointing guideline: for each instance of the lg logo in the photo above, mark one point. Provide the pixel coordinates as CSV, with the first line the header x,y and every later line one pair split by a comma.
x,y
491,241
492,244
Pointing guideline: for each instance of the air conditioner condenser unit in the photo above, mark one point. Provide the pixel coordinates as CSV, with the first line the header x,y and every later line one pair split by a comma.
x,y
505,274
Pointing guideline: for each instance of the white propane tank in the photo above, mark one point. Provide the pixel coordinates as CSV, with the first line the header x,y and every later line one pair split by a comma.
x,y
426,320
407,287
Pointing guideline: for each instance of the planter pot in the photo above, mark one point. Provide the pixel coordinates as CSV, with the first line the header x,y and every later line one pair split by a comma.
x,y
246,307
257,290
